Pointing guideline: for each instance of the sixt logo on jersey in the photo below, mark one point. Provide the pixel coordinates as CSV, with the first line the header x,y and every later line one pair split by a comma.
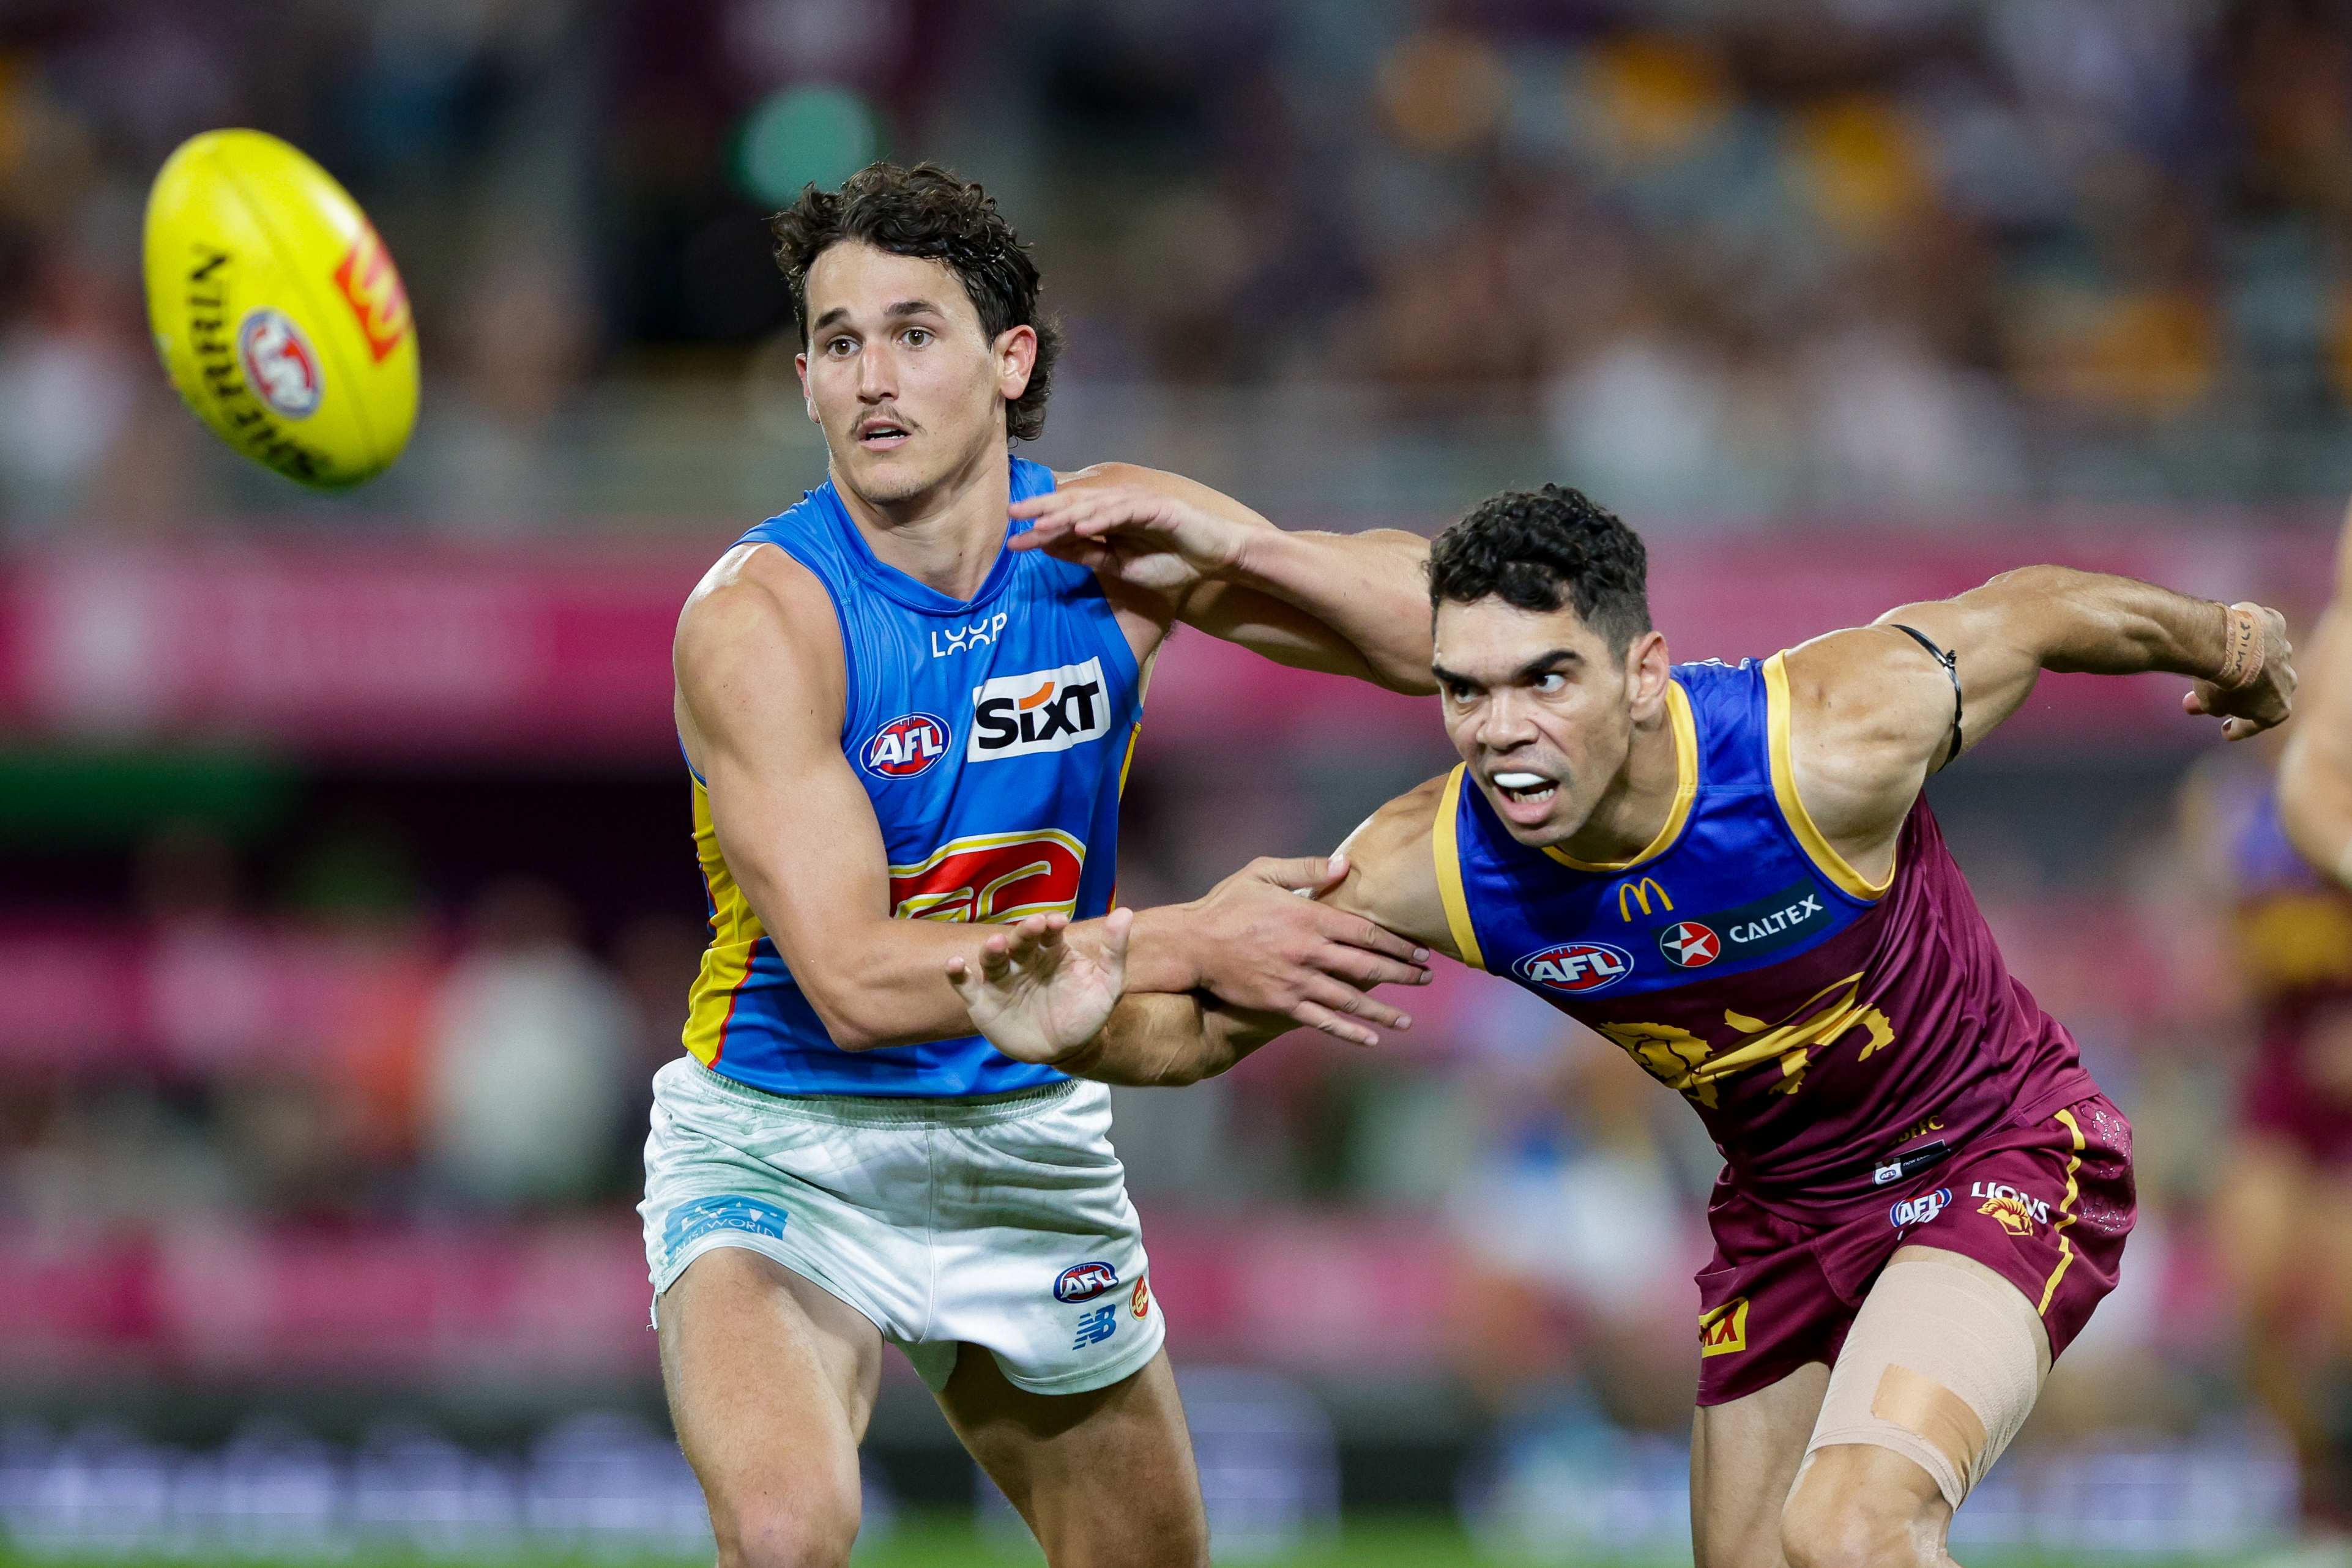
x,y
1085,1281
1919,1210
992,876
1045,710
1577,966
904,746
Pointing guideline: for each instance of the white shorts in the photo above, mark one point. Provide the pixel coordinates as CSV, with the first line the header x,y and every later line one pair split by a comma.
x,y
1000,1220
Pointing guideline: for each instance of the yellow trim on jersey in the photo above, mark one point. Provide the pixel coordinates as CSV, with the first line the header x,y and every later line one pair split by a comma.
x,y
1133,736
735,932
1445,845
2065,1242
1678,710
1792,808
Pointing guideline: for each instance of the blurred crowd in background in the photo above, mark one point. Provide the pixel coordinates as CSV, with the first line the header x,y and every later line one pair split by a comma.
x,y
1908,267
1718,260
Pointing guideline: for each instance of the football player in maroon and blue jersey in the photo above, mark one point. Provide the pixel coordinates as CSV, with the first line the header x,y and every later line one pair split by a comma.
x,y
1730,872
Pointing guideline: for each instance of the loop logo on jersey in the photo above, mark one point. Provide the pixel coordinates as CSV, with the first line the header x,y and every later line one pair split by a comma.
x,y
1085,1281
1045,710
904,746
991,877
1690,945
1577,966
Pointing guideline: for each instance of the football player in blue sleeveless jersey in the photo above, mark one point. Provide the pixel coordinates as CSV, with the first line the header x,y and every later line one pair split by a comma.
x,y
896,726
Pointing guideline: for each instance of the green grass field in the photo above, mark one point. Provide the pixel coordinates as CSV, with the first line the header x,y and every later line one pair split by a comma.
x,y
950,1541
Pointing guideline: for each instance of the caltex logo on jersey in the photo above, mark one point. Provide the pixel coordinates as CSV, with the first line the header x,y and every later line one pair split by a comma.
x,y
1690,946
1085,1281
1578,966
904,747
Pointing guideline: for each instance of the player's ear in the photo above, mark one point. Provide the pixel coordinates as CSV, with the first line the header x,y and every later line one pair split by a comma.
x,y
1016,357
1646,677
808,402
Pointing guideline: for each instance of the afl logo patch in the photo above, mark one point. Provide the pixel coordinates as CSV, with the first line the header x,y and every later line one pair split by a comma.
x,y
1690,946
1085,1281
280,367
1577,966
904,747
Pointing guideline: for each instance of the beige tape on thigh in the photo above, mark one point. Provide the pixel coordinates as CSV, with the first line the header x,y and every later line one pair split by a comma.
x,y
1942,1365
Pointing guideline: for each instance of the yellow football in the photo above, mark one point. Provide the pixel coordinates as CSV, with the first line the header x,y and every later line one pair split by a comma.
x,y
279,314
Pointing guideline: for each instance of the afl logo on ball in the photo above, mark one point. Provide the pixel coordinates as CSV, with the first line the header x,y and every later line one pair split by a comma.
x,y
280,367
1085,1281
1577,965
904,747
1690,946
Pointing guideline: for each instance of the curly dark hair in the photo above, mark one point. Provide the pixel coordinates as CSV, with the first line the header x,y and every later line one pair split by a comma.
x,y
927,212
1538,550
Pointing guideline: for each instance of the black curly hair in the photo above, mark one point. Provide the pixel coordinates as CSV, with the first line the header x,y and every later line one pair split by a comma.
x,y
1538,550
927,212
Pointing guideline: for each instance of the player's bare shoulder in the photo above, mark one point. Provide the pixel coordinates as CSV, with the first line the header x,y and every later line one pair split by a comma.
x,y
1869,711
1392,869
757,631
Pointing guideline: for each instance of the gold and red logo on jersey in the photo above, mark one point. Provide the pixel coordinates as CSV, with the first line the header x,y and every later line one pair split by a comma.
x,y
2014,1211
1723,1329
991,877
1140,1301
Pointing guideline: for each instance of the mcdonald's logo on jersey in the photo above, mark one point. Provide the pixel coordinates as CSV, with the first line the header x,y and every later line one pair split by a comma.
x,y
1723,1330
991,877
1639,893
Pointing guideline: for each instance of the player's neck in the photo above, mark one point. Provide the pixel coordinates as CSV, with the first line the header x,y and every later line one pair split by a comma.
x,y
948,534
1638,802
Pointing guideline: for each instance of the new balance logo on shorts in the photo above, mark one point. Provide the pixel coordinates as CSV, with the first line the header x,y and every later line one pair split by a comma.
x,y
1045,710
1096,1326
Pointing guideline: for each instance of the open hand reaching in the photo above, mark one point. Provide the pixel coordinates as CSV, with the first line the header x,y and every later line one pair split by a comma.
x,y
1035,998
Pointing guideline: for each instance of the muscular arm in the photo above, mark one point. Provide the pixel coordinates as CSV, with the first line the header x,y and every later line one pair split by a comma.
x,y
1349,604
761,690
2315,780
1871,711
1159,1040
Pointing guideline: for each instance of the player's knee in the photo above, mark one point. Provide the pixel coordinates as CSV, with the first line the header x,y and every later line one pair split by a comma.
x,y
795,1527
1839,1527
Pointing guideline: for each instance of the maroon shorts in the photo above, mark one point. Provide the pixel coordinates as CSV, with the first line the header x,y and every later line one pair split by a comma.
x,y
2046,1205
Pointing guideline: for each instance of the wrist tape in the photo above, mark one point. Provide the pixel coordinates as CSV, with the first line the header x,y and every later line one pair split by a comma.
x,y
2241,649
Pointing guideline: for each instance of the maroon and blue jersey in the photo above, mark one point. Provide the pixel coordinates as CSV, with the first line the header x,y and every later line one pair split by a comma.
x,y
1837,1036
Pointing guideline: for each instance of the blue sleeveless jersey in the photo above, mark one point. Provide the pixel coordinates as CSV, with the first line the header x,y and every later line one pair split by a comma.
x,y
1827,1030
992,735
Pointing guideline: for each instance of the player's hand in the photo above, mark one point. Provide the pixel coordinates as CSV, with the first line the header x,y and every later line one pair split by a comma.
x,y
1260,948
2262,703
1132,533
1035,996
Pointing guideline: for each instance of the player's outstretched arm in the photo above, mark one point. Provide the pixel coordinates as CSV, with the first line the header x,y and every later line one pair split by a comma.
x,y
761,690
1350,605
2314,780
1036,999
1871,711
